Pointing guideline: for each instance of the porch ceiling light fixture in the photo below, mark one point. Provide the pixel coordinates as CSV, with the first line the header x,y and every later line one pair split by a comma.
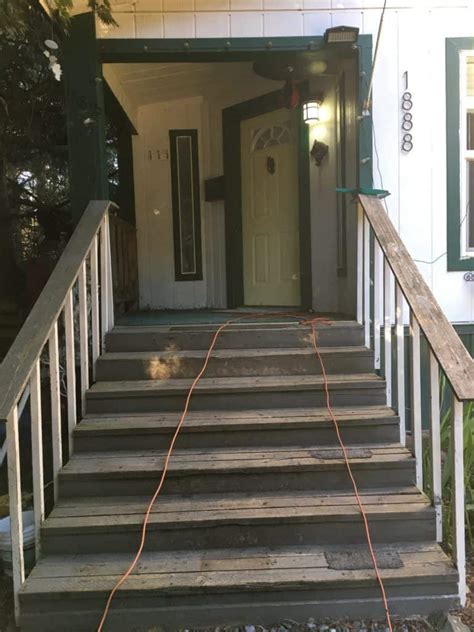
x,y
311,108
341,35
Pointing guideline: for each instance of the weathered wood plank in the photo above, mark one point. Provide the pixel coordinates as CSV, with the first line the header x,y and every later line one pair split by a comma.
x,y
18,363
446,345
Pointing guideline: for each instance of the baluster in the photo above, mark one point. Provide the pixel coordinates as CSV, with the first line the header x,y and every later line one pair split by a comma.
x,y
83,335
435,440
55,406
457,434
399,302
104,282
95,304
360,264
367,281
416,399
37,453
378,301
70,368
16,516
387,294
110,284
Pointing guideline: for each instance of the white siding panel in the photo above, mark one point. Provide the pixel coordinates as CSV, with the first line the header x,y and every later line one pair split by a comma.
x,y
283,23
316,4
148,5
246,5
316,23
386,109
347,18
149,25
283,5
212,5
125,28
212,25
246,24
178,5
179,25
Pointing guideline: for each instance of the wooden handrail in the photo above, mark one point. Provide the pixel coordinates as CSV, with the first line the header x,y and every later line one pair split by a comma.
x,y
452,355
16,367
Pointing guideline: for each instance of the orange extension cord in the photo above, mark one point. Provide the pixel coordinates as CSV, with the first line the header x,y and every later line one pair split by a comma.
x,y
303,322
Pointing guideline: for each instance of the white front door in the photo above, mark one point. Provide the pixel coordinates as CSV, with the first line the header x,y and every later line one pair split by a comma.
x,y
270,223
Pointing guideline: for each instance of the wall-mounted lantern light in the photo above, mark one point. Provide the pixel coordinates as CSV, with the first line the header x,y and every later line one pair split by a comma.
x,y
311,108
341,35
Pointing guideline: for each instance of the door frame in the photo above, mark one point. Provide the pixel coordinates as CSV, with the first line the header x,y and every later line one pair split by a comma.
x,y
231,120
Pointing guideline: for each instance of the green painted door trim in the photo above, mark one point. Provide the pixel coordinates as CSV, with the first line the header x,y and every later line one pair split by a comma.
x,y
231,120
85,111
454,213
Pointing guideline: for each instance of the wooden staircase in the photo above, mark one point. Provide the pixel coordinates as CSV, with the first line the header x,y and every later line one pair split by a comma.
x,y
257,521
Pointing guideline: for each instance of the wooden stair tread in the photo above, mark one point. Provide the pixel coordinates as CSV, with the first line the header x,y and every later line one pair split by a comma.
x,y
227,570
230,419
269,352
242,325
131,388
127,511
135,462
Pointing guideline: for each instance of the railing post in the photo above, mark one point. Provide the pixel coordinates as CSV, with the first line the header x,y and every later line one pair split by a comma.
x,y
360,264
83,335
110,284
70,368
400,334
416,399
55,406
16,516
95,304
457,430
435,440
387,293
37,453
378,301
104,282
367,282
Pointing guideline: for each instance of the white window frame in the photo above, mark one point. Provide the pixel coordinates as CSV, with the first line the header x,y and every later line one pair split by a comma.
x,y
466,156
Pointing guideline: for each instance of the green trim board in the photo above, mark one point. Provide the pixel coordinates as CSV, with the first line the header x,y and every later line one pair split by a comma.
x,y
365,178
231,120
85,115
454,213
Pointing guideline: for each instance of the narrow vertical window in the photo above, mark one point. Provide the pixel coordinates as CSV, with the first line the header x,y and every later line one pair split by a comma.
x,y
467,149
186,204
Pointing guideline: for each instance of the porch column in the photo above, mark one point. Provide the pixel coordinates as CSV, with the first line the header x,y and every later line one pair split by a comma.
x,y
85,113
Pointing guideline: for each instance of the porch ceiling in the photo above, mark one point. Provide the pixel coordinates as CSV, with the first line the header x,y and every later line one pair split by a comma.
x,y
151,83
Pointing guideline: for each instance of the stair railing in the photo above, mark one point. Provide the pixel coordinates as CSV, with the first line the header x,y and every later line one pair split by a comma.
x,y
78,296
391,291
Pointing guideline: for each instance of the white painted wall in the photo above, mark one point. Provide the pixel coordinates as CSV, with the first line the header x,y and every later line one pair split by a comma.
x,y
413,40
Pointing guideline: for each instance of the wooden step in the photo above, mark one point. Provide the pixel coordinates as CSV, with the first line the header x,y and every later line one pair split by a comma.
x,y
241,336
229,587
235,470
235,393
246,428
113,524
142,365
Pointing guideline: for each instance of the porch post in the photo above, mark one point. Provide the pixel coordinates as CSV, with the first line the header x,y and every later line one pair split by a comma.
x,y
85,115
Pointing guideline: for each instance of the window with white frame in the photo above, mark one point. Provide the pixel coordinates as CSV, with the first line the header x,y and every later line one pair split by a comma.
x,y
467,151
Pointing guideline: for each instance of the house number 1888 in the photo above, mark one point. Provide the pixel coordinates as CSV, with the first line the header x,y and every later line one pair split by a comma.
x,y
407,117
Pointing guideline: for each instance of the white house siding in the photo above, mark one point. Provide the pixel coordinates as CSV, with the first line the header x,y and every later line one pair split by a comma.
x,y
413,40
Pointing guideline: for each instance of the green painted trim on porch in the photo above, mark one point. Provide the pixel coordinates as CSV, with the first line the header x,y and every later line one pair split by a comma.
x,y
454,45
365,176
231,120
85,115
205,50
